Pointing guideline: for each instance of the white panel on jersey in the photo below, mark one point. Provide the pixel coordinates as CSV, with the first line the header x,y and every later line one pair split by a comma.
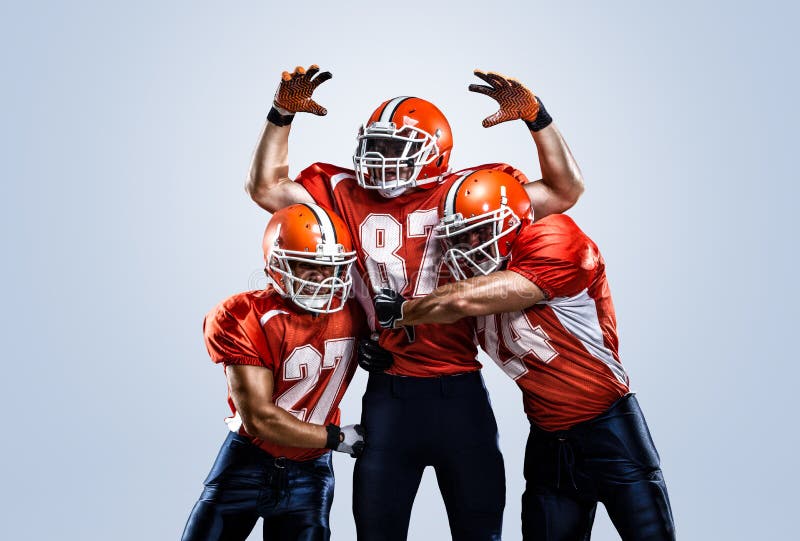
x,y
578,315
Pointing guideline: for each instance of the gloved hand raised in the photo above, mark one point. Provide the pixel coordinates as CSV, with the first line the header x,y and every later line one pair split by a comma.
x,y
295,90
516,101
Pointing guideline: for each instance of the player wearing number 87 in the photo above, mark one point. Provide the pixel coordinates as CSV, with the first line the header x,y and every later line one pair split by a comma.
x,y
545,316
289,354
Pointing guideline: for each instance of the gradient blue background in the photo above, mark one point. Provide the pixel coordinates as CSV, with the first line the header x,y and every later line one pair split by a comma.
x,y
126,135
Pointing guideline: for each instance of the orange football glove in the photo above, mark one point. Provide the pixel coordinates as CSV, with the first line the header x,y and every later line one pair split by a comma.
x,y
294,92
515,100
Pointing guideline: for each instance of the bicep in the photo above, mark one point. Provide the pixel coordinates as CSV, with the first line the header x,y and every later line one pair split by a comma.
x,y
544,201
250,386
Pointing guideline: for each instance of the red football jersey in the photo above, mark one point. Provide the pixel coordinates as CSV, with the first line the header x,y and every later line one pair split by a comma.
x,y
562,352
396,249
312,357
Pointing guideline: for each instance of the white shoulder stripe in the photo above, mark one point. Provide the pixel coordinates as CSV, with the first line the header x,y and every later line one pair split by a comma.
x,y
338,177
269,315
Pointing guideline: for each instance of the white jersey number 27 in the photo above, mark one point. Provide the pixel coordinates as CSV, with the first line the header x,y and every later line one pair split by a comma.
x,y
305,365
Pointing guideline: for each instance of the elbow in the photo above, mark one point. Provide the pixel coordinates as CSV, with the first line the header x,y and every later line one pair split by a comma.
x,y
578,186
251,186
255,184
569,197
259,193
577,191
260,424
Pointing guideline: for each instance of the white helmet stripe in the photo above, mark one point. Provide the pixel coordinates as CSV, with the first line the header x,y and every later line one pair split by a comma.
x,y
325,224
391,107
450,200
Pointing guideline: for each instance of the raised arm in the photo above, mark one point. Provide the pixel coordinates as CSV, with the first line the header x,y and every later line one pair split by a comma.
x,y
502,291
562,183
269,184
251,390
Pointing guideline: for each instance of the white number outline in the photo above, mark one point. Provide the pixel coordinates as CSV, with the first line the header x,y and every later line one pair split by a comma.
x,y
431,264
383,255
519,337
304,365
419,223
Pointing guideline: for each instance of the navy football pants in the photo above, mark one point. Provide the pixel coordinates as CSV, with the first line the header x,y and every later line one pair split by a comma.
x,y
444,422
610,459
293,498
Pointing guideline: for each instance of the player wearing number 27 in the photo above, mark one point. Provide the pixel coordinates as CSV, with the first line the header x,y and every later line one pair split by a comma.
x,y
430,408
289,355
545,316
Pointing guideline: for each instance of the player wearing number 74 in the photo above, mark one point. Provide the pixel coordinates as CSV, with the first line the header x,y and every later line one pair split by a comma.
x,y
545,316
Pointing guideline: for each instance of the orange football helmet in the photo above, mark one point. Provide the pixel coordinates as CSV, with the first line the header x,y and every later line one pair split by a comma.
x,y
479,219
405,143
309,252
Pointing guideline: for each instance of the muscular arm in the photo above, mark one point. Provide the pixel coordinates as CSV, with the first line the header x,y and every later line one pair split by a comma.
x,y
251,389
269,184
562,182
503,291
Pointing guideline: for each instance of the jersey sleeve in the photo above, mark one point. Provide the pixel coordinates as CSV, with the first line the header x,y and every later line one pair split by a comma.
x,y
316,179
234,335
556,255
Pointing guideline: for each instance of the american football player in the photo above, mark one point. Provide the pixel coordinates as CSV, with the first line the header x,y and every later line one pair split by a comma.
x,y
288,353
545,316
431,407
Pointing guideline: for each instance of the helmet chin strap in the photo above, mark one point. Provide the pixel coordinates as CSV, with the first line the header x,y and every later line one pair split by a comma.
x,y
310,302
391,193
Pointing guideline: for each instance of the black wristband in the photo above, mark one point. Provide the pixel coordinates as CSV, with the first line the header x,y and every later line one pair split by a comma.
x,y
333,436
278,119
543,118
